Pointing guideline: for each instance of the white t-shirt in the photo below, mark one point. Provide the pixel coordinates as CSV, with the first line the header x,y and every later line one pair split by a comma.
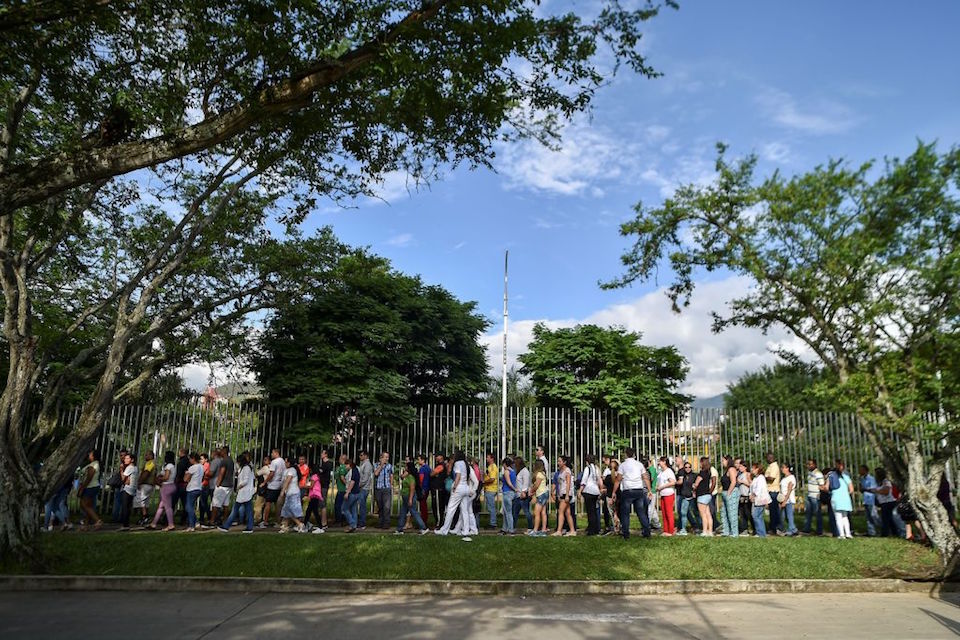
x,y
589,480
130,477
460,469
196,477
294,484
171,472
884,499
246,484
784,485
632,473
665,476
279,467
523,480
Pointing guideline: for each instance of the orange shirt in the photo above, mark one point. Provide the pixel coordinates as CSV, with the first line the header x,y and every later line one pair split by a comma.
x,y
304,470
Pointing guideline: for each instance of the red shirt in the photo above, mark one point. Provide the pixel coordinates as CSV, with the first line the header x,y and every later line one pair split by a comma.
x,y
304,470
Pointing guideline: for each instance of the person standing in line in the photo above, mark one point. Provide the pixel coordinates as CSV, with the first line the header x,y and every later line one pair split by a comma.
x,y
788,498
772,474
715,496
606,486
522,502
145,486
409,481
813,506
743,487
383,491
540,496
128,490
304,470
246,488
565,496
653,505
194,480
423,486
325,472
678,463
261,477
316,501
490,481
211,465
730,498
88,490
459,497
760,498
340,478
613,494
365,468
666,489
590,484
168,490
685,480
352,491
633,483
292,509
867,484
223,485
703,490
183,463
841,498
439,496
541,455
883,493
274,483
508,493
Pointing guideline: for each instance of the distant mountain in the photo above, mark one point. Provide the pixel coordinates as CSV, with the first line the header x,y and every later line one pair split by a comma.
x,y
714,402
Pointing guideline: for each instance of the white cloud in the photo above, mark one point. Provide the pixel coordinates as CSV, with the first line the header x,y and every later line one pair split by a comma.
x,y
824,117
695,167
775,152
400,240
715,359
657,132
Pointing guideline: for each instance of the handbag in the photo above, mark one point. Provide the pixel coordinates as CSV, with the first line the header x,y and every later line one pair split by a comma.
x,y
115,481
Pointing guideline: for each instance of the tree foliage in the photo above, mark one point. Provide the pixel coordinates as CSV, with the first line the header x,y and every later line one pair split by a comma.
x,y
862,264
590,367
794,386
376,340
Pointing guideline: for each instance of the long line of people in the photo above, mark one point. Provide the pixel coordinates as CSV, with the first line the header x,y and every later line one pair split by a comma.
x,y
677,496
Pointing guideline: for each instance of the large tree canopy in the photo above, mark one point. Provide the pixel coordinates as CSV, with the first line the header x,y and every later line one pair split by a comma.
x,y
375,340
794,386
151,154
861,265
590,367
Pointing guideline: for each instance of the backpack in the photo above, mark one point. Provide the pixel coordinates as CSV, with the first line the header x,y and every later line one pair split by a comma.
x,y
834,481
115,481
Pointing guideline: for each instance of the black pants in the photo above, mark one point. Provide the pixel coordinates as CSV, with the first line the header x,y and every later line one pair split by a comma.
x,y
126,504
439,500
593,514
746,515
313,507
180,502
607,519
887,525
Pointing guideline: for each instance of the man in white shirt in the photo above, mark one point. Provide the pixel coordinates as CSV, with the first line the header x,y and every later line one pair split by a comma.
x,y
274,481
634,484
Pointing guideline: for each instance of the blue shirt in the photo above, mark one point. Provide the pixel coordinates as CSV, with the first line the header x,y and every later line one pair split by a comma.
x,y
425,477
868,482
383,478
513,480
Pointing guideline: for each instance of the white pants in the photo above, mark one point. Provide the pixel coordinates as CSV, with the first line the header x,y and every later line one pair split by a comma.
x,y
843,524
142,497
458,500
221,497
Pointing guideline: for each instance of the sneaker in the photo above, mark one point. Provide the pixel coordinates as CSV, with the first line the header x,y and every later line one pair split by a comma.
x,y
398,533
206,526
317,530
301,529
467,539
247,531
262,525
283,529
223,530
190,529
424,532
569,534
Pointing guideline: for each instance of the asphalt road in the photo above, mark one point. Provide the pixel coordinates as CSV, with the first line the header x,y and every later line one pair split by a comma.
x,y
144,615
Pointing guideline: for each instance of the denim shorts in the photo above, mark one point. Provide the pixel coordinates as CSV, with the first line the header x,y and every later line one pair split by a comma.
x,y
542,499
705,499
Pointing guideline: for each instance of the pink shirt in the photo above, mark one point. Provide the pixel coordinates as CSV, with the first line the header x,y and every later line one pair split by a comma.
x,y
316,490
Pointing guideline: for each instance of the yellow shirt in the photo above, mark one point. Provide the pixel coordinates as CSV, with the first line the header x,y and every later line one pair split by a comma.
x,y
149,466
542,487
490,479
773,472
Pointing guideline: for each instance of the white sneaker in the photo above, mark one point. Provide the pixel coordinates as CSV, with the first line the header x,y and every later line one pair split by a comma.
x,y
301,529
424,532
467,539
398,533
317,530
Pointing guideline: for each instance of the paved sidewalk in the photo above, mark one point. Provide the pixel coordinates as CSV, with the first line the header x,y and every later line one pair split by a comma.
x,y
164,616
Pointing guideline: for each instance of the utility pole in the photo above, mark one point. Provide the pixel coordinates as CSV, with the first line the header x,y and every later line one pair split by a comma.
x,y
503,401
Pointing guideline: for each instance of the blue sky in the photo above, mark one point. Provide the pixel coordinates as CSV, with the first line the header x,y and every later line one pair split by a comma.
x,y
797,83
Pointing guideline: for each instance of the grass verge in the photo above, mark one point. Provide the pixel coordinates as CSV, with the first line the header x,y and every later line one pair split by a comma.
x,y
486,558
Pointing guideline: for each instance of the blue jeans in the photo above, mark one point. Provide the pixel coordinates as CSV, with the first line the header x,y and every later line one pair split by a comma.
x,y
405,509
873,519
758,525
192,507
205,494
242,511
117,504
524,505
813,510
688,511
362,508
57,507
731,520
350,504
338,508
774,512
788,510
508,497
490,497
634,500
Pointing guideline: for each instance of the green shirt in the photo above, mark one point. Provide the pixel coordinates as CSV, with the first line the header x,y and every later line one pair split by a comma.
x,y
340,473
407,484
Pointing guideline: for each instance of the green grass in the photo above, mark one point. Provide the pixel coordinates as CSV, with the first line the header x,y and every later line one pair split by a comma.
x,y
336,555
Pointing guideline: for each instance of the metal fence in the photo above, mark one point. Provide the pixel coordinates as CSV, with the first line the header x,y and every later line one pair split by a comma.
x,y
792,436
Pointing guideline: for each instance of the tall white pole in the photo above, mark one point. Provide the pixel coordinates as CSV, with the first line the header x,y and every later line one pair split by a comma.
x,y
503,401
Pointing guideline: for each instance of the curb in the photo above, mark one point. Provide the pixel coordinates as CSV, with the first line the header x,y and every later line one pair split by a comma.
x,y
468,587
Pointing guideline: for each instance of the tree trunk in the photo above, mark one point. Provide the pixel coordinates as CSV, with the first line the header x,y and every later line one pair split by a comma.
x,y
922,491
19,510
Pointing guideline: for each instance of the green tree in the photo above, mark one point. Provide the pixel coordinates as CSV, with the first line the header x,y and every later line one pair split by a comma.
x,y
794,386
590,367
375,340
519,390
865,271
145,148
